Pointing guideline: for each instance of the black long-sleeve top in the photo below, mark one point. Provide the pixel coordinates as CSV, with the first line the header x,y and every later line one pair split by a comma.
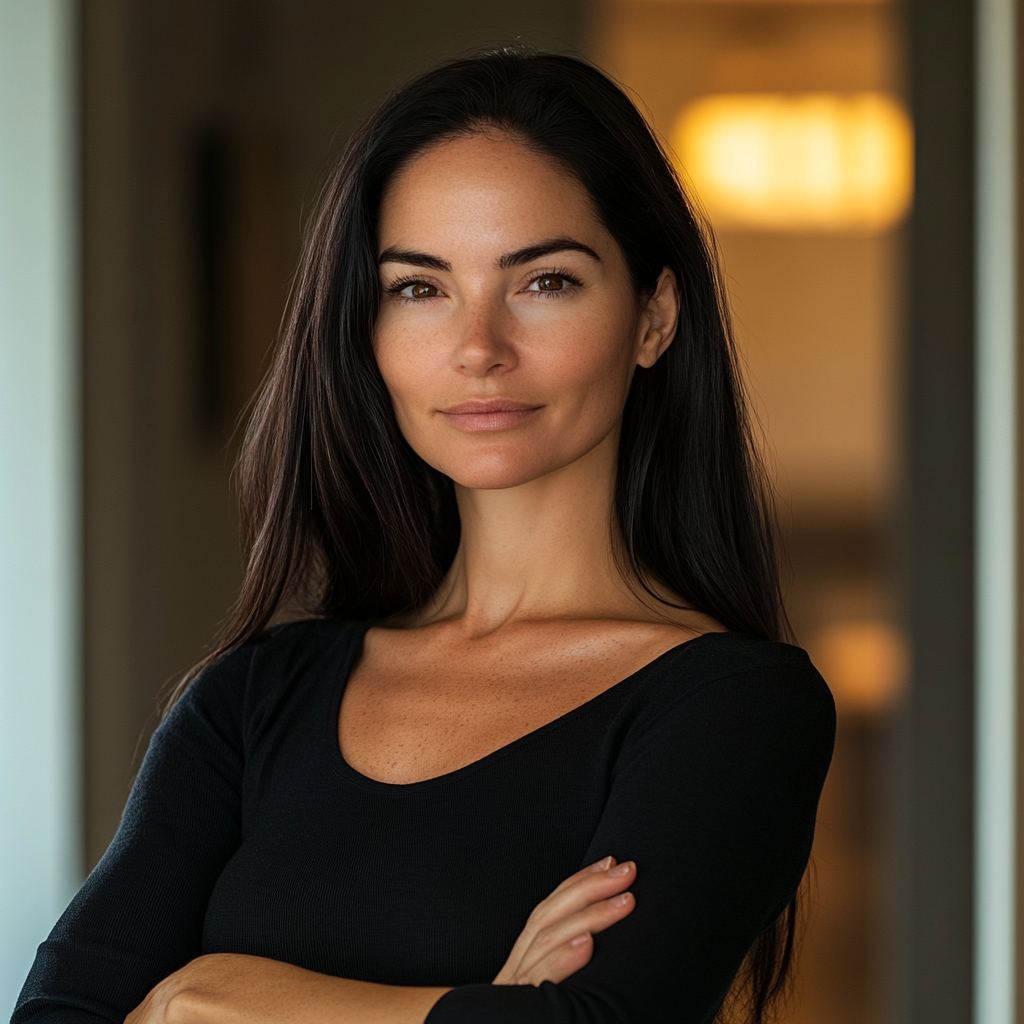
x,y
247,832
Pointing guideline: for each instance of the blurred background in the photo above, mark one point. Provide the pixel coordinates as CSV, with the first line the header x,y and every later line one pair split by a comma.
x,y
829,142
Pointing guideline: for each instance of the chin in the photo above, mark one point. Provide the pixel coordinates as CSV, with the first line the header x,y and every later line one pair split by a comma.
x,y
493,474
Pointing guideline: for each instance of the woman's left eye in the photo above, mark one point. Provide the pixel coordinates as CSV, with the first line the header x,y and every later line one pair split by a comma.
x,y
552,284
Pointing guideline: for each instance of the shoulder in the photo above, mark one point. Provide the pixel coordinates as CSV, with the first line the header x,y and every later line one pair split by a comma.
x,y
725,685
262,671
724,662
299,647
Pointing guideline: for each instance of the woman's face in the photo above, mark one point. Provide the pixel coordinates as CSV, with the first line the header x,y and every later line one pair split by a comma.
x,y
509,329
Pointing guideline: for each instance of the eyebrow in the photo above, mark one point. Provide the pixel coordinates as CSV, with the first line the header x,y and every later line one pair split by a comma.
x,y
529,253
546,248
393,254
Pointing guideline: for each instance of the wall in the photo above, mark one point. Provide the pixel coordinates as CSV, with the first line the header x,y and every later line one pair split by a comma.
x,y
38,480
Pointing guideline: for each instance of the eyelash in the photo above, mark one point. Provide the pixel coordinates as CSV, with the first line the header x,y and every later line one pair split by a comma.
x,y
571,280
396,289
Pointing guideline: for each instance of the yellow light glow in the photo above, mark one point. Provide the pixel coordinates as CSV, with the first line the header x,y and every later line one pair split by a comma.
x,y
865,663
811,162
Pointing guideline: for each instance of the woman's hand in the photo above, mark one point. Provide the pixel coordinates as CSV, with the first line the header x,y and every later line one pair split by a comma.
x,y
558,938
229,988
224,988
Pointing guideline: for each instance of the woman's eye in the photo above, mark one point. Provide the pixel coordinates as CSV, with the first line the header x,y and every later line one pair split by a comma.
x,y
419,290
549,283
416,290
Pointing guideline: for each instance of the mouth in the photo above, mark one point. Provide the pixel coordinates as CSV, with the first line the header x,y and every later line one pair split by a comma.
x,y
488,414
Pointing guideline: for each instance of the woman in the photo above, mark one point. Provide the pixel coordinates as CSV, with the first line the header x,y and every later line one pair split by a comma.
x,y
540,757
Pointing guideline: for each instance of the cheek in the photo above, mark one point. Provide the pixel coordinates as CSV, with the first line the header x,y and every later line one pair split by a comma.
x,y
590,362
408,374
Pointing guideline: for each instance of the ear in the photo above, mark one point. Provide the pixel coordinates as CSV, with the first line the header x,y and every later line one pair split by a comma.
x,y
659,320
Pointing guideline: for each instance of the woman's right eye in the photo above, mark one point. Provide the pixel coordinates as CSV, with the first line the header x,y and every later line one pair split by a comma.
x,y
416,290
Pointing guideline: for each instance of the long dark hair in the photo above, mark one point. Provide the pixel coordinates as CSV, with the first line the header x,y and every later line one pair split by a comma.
x,y
340,515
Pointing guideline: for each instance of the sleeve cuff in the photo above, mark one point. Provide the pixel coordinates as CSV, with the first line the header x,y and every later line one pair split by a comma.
x,y
499,1004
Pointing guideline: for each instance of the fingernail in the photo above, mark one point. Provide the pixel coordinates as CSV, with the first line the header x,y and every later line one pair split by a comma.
x,y
619,901
580,939
622,869
602,865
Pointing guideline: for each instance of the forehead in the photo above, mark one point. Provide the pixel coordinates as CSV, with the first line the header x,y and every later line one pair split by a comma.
x,y
485,187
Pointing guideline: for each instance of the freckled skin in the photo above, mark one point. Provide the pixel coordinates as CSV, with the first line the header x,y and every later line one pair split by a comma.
x,y
487,333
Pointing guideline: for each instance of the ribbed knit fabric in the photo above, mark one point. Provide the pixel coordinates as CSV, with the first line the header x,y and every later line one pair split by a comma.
x,y
247,832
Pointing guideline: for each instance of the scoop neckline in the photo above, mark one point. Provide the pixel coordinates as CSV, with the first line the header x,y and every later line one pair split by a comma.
x,y
341,668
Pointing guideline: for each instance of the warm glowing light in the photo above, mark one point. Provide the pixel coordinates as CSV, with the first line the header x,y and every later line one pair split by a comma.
x,y
864,662
811,162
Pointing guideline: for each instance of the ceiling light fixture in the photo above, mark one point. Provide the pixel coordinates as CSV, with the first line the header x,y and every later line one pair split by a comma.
x,y
806,162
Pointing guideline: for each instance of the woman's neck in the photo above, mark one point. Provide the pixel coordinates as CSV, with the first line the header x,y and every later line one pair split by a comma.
x,y
541,550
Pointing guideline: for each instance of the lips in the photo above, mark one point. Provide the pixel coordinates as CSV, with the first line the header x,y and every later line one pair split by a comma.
x,y
488,413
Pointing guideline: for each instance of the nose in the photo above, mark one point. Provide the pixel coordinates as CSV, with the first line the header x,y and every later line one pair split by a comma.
x,y
483,348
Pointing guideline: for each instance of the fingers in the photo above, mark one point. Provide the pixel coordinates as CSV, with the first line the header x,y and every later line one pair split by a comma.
x,y
589,921
585,903
593,884
561,963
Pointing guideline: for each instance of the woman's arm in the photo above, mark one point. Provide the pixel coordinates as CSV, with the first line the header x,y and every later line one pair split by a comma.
x,y
232,989
714,795
226,988
139,916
